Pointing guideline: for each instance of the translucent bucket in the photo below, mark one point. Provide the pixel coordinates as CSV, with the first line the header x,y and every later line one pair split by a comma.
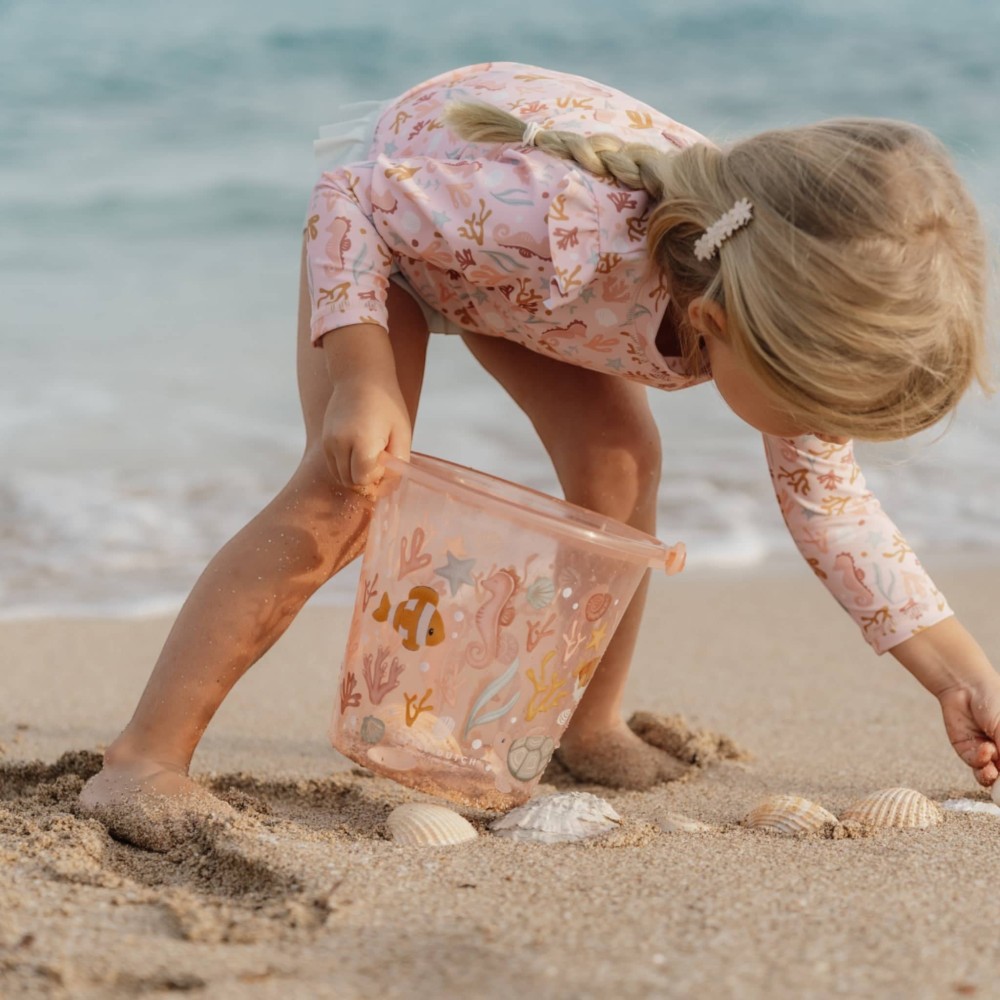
x,y
483,609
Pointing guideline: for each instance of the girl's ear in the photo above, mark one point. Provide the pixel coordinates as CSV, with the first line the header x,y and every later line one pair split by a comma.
x,y
708,318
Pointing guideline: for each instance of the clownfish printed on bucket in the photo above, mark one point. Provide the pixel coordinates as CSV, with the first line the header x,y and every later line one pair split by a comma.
x,y
416,619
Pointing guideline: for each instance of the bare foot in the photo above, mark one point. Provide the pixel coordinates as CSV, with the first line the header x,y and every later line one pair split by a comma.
x,y
672,734
148,805
616,757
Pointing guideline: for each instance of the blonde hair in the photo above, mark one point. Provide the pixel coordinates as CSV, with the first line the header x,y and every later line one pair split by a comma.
x,y
857,295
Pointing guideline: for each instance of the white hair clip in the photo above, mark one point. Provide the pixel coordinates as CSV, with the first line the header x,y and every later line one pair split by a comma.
x,y
531,131
707,245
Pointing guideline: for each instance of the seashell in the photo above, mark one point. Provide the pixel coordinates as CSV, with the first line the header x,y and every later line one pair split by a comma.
x,y
444,727
564,716
789,815
372,729
971,806
553,819
421,824
527,756
895,807
676,823
426,734
596,606
540,593
567,577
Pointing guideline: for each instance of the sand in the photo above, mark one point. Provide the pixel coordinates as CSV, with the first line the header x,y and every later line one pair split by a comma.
x,y
301,893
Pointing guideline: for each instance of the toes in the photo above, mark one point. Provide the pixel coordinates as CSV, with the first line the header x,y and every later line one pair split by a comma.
x,y
147,817
672,769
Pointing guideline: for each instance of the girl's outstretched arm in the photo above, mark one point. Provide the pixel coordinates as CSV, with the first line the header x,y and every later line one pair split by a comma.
x,y
850,542
863,559
949,662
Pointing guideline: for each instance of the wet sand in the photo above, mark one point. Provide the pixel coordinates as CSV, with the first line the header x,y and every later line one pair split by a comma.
x,y
302,894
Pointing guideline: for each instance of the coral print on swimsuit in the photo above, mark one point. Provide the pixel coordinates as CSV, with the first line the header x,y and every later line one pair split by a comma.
x,y
827,508
501,239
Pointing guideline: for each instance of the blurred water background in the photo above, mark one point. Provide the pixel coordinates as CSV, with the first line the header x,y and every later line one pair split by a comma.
x,y
155,163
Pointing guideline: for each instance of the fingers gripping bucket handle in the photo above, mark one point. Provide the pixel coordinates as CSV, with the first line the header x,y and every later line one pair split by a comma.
x,y
483,609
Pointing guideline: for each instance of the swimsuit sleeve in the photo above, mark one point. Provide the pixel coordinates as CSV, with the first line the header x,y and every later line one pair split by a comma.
x,y
487,223
347,261
849,541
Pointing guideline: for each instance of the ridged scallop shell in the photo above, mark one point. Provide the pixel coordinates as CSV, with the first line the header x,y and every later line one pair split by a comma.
x,y
901,808
552,819
422,824
789,815
540,593
427,733
596,606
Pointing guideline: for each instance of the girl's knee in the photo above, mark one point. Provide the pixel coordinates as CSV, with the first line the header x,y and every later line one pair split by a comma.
x,y
619,478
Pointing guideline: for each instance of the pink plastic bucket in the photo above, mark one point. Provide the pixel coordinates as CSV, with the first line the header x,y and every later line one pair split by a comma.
x,y
482,612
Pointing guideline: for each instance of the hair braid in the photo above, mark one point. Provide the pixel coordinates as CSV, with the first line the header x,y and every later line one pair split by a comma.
x,y
633,164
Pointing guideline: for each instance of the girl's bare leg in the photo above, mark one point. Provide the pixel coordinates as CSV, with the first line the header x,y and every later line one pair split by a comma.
x,y
605,448
251,590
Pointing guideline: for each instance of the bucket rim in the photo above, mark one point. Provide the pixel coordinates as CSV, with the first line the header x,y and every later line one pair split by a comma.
x,y
581,524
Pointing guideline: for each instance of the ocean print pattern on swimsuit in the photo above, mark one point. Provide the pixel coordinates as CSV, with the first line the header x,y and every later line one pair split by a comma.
x,y
510,241
504,240
852,546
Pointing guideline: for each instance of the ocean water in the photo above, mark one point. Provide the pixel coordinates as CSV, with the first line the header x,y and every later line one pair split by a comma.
x,y
155,163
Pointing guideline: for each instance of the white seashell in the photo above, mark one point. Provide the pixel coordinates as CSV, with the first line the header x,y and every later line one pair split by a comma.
x,y
676,823
560,817
971,806
789,815
564,716
895,807
421,824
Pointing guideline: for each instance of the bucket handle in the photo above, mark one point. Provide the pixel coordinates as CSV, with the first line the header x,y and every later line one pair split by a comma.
x,y
672,561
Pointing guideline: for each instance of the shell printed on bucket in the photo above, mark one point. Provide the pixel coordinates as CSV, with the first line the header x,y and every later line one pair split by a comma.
x,y
482,613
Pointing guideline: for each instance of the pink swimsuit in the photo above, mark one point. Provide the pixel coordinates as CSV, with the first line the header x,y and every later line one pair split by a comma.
x,y
512,242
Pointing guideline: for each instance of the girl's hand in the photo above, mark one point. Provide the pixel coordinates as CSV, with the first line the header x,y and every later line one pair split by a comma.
x,y
366,414
363,419
953,667
972,721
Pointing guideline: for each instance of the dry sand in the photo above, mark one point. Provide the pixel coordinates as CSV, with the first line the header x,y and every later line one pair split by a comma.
x,y
303,895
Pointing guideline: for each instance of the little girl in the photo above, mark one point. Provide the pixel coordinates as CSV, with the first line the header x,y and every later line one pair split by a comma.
x,y
829,279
